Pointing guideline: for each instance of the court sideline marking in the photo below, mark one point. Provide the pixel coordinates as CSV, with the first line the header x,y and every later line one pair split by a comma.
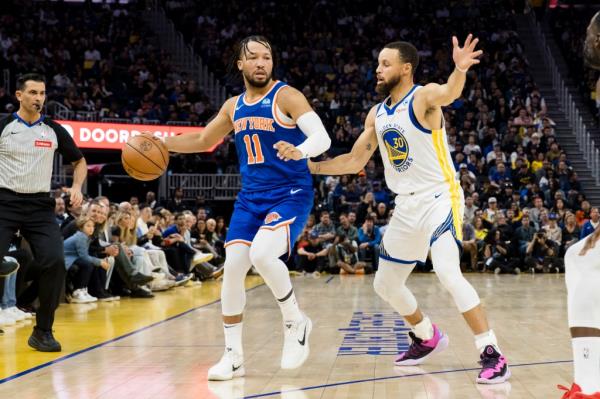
x,y
79,352
393,377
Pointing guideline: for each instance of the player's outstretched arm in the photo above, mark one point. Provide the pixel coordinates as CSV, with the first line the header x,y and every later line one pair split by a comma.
x,y
356,159
435,95
216,129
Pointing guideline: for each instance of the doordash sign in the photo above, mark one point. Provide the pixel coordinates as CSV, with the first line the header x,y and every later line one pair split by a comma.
x,y
113,136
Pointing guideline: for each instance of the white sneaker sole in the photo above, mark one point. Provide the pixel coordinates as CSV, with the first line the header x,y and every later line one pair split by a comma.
x,y
234,374
498,380
306,351
441,346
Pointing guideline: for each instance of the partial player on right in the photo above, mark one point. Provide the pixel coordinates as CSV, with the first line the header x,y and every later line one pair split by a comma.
x,y
582,275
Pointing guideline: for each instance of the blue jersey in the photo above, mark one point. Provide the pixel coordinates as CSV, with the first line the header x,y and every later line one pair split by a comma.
x,y
257,128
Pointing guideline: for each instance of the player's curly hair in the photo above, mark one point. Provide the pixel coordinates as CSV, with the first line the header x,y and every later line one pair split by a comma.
x,y
241,50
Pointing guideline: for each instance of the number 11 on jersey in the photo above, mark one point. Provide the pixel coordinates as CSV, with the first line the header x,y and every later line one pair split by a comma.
x,y
255,156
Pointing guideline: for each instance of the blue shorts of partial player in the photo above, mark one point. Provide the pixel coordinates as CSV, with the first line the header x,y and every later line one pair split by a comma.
x,y
286,207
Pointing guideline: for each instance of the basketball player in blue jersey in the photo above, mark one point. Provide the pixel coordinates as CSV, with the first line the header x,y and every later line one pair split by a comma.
x,y
276,131
409,130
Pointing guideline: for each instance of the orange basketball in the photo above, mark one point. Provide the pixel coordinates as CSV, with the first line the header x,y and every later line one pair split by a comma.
x,y
145,157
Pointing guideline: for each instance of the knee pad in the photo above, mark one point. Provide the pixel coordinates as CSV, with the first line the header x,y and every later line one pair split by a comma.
x,y
379,286
233,292
390,285
446,263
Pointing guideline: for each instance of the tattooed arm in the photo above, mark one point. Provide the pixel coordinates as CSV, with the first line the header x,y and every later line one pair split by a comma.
x,y
356,159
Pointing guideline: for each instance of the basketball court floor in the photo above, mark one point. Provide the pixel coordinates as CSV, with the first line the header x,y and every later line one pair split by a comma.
x,y
162,348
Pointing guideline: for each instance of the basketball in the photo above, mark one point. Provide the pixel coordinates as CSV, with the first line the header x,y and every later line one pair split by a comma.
x,y
145,157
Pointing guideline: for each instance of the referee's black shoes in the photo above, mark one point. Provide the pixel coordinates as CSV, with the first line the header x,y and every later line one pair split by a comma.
x,y
8,266
43,341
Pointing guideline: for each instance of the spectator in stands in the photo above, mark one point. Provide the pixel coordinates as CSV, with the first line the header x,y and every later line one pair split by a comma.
x,y
151,200
380,194
176,204
542,255
312,257
469,246
570,233
553,231
325,229
470,209
72,212
59,211
366,207
583,213
76,250
538,208
497,254
381,217
369,239
525,234
346,228
592,224
345,257
221,229
10,285
489,215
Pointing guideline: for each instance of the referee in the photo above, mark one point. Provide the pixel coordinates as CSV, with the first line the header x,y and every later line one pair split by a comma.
x,y
28,141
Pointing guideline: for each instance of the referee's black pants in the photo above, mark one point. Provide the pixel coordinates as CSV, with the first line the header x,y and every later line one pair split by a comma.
x,y
33,216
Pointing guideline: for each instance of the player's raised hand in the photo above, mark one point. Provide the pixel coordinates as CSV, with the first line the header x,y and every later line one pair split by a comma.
x,y
466,56
287,151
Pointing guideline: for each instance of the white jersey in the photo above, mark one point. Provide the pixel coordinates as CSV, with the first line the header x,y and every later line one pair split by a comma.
x,y
416,160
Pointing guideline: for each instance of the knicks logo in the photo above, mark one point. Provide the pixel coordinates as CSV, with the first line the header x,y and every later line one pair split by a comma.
x,y
397,149
272,217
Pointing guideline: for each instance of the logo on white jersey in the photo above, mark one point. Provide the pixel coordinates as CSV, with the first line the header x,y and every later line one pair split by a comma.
x,y
397,149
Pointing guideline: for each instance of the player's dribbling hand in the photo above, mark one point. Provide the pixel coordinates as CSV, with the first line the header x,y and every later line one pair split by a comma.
x,y
287,151
465,57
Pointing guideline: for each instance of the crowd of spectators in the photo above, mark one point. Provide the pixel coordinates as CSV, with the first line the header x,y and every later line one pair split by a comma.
x,y
524,203
121,249
100,61
569,32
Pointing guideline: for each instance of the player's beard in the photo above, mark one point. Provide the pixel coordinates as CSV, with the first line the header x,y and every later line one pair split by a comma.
x,y
386,87
255,83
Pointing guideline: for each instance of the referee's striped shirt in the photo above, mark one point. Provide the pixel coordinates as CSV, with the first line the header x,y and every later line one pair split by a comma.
x,y
27,153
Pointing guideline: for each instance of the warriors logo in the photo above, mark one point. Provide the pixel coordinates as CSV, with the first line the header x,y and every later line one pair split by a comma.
x,y
397,149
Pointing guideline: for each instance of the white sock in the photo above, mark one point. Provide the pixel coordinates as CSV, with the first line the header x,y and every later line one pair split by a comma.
x,y
586,357
289,308
233,337
424,329
484,339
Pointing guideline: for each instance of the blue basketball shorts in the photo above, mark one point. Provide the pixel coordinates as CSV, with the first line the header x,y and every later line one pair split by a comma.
x,y
283,207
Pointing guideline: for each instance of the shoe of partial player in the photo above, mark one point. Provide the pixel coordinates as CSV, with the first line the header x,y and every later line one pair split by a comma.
x,y
494,367
230,366
420,350
295,343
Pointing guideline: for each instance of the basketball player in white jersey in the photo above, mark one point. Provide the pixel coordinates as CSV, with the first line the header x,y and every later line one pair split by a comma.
x,y
582,275
409,129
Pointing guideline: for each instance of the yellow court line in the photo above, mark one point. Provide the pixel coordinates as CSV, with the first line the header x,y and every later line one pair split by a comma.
x,y
81,326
